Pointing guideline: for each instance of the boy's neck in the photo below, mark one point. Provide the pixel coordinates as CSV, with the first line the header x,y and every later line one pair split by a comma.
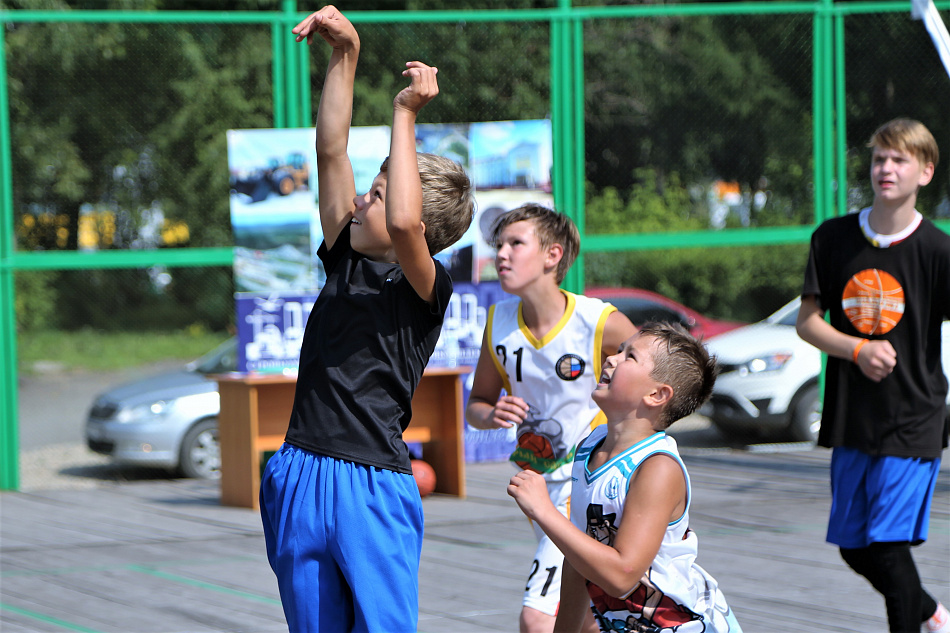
x,y
542,309
621,435
890,219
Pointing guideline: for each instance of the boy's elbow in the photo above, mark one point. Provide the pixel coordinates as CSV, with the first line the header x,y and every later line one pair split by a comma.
x,y
620,590
404,228
623,581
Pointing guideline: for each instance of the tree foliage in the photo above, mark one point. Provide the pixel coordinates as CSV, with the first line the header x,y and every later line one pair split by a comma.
x,y
130,119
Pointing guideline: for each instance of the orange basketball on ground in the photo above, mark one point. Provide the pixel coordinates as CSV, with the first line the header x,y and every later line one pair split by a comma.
x,y
425,477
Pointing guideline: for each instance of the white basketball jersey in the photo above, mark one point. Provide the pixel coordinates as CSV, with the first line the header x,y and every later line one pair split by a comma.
x,y
675,594
555,376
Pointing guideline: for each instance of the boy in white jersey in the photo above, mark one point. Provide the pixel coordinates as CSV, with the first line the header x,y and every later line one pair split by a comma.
x,y
635,567
545,348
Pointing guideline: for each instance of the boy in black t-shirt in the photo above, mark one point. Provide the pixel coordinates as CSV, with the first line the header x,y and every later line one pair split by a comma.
x,y
341,511
883,276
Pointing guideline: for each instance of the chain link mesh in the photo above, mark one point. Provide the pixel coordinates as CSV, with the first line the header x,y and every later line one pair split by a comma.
x,y
691,123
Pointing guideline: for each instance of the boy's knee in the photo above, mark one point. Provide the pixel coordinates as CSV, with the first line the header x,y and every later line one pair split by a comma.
x,y
858,559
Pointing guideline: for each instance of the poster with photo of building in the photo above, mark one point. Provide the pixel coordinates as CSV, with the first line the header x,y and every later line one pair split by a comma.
x,y
511,166
274,205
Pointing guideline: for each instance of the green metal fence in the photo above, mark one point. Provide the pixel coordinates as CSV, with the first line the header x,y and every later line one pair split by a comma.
x,y
570,28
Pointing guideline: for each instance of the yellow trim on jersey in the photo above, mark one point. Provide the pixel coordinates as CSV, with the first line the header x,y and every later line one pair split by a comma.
x,y
600,418
538,344
494,356
598,356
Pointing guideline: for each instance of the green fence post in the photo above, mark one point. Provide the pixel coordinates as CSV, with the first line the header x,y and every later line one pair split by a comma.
x,y
558,172
565,123
278,74
292,60
575,277
823,104
841,118
9,426
303,79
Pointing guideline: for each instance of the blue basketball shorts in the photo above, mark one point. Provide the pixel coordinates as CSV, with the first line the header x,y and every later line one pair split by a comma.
x,y
344,540
879,499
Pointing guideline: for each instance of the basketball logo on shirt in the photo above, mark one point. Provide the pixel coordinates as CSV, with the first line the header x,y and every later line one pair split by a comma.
x,y
569,367
873,301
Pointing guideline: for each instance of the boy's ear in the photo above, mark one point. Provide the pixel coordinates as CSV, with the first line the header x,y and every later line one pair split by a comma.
x,y
660,396
554,254
926,175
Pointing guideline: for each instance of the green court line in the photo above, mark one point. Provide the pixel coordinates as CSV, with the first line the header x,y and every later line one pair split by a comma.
x,y
202,584
47,619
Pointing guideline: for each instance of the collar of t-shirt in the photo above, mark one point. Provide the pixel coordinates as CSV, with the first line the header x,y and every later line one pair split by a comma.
x,y
884,241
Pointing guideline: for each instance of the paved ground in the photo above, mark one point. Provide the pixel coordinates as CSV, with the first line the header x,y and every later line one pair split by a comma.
x,y
163,556
92,547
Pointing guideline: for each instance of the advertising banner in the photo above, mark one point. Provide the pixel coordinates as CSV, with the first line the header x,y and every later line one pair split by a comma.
x,y
274,206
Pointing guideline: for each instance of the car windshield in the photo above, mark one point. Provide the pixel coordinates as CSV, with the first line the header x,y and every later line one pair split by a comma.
x,y
789,319
220,360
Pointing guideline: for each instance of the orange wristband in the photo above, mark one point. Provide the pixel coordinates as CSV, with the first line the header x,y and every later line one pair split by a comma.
x,y
857,348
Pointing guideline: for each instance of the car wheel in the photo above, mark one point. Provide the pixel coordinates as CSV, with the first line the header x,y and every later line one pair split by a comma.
x,y
806,416
200,456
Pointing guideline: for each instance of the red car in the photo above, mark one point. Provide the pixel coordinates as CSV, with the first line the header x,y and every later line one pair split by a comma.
x,y
641,306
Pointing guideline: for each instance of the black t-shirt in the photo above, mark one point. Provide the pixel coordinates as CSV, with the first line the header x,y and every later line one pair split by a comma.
x,y
367,342
905,414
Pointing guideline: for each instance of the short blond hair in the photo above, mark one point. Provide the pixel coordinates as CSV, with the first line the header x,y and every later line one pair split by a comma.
x,y
448,202
681,361
551,228
907,135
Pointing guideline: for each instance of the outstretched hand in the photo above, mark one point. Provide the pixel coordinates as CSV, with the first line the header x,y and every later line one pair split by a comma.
x,y
422,87
329,24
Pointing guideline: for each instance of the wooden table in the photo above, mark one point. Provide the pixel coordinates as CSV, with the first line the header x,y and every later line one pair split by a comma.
x,y
255,410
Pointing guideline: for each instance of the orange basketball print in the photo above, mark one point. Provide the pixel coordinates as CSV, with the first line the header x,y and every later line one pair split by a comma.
x,y
536,445
873,300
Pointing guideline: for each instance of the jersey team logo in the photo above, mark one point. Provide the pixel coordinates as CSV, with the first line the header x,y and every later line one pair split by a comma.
x,y
569,367
873,301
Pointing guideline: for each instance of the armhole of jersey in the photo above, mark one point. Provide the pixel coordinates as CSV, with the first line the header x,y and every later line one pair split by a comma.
x,y
598,356
489,329
689,491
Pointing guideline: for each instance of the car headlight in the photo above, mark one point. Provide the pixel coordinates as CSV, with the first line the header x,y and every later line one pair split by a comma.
x,y
766,362
143,411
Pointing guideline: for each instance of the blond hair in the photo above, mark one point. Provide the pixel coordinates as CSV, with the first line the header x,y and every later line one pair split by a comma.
x,y
551,228
448,202
907,135
681,361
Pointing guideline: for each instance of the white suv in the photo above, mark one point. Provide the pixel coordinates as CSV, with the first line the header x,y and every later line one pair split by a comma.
x,y
768,381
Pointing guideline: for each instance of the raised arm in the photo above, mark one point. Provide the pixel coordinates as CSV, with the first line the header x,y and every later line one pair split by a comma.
x,y
876,359
403,185
334,171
